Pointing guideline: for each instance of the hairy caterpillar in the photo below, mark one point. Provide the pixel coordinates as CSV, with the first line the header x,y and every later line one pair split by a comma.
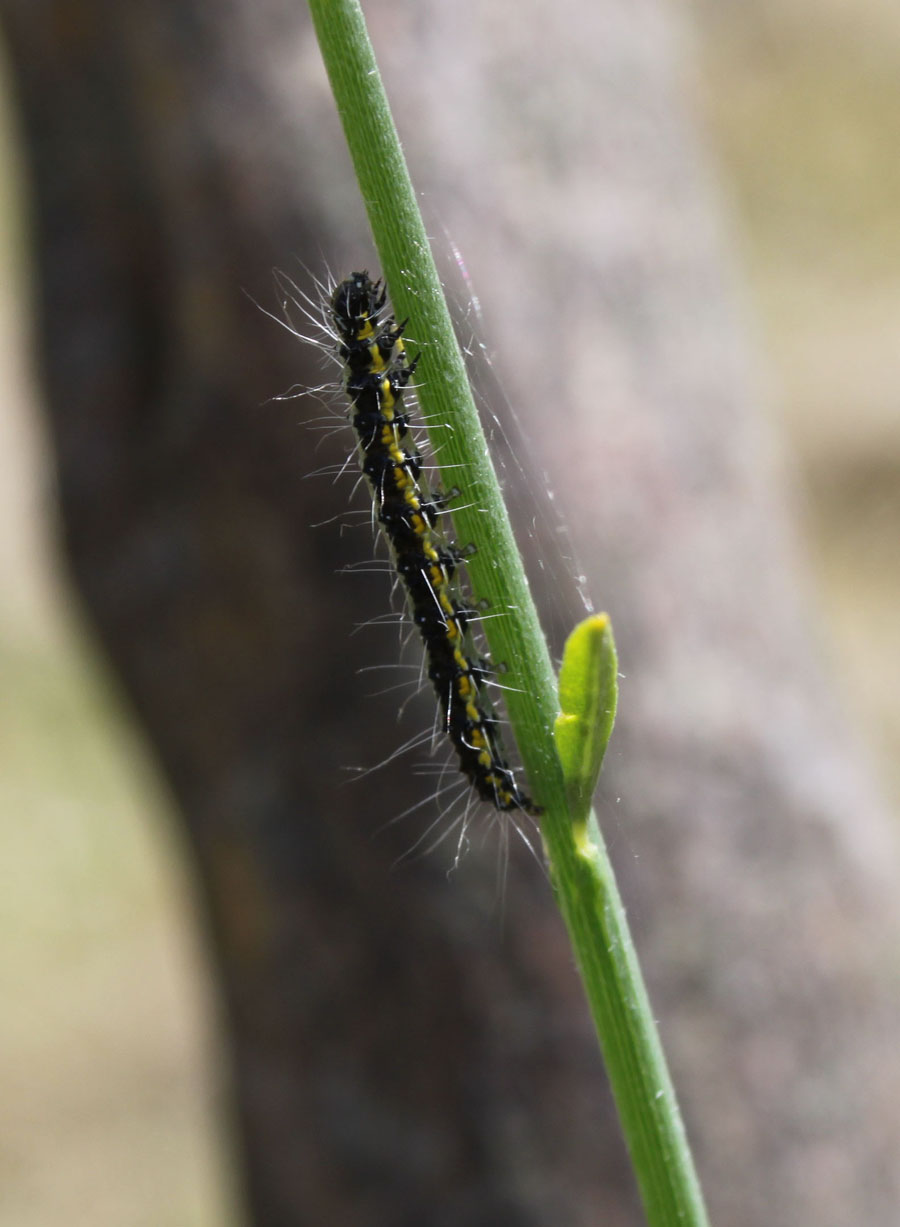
x,y
377,371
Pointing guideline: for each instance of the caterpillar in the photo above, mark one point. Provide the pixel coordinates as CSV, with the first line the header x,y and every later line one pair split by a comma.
x,y
377,372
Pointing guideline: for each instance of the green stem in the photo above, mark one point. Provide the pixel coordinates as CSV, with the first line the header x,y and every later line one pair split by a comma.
x,y
583,878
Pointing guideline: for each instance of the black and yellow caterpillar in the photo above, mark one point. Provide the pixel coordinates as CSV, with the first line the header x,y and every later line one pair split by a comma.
x,y
378,370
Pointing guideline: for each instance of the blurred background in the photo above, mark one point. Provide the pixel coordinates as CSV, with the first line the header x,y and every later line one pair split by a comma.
x,y
800,108
109,1050
110,1098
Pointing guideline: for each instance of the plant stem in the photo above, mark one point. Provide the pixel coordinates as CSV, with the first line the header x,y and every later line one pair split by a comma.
x,y
581,872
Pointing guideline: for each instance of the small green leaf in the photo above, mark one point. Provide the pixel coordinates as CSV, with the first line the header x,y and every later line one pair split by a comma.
x,y
587,700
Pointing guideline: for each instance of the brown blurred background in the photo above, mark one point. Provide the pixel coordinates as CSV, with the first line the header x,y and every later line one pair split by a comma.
x,y
108,1048
108,1091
